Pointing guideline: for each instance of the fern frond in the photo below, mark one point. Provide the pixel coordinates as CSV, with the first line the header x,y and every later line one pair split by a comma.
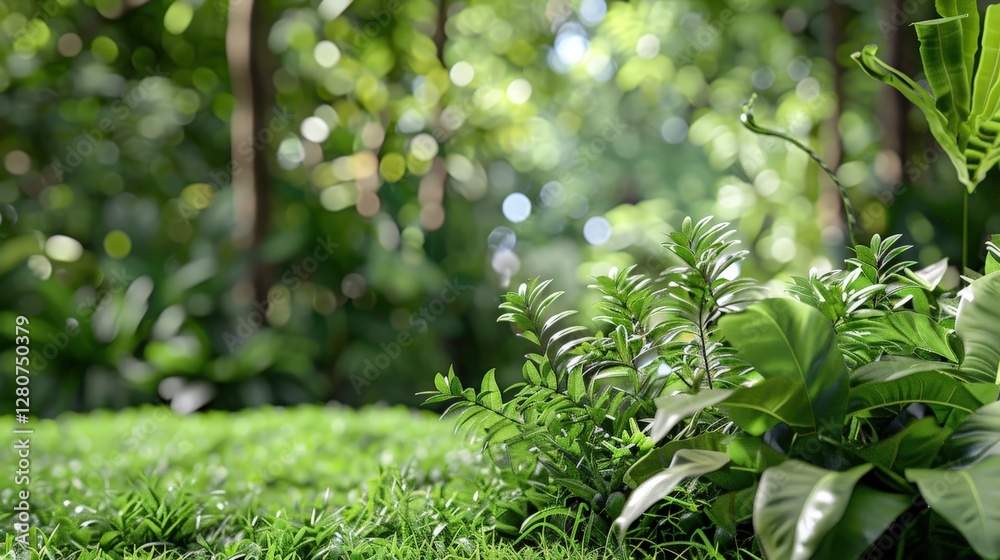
x,y
527,310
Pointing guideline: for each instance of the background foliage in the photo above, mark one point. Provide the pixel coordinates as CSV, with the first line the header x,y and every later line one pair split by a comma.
x,y
419,157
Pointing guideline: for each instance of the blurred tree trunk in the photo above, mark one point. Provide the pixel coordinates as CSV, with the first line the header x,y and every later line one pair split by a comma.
x,y
440,38
893,107
829,199
246,50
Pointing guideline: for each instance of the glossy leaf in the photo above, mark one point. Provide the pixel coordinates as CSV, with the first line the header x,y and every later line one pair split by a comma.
x,y
685,464
869,512
978,325
661,457
797,504
788,339
976,438
951,400
758,408
969,499
672,409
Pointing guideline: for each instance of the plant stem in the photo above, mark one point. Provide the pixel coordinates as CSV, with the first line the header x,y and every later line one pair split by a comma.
x,y
748,122
965,231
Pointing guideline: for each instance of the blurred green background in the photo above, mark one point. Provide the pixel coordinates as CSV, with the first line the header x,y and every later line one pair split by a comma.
x,y
231,203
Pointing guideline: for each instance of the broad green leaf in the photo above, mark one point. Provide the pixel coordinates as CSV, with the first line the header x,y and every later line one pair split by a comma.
x,y
944,66
986,88
661,457
733,508
917,95
897,367
951,400
576,387
906,330
968,10
978,325
788,339
670,410
916,446
757,408
967,498
489,393
685,464
869,513
797,504
976,438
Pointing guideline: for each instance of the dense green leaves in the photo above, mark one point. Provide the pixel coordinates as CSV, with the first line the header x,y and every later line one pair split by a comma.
x,y
685,464
826,394
787,339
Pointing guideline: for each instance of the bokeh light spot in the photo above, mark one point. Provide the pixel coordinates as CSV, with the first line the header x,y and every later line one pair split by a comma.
x,y
516,207
117,244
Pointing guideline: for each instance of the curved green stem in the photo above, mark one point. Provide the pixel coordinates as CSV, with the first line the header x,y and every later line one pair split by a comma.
x,y
965,231
748,121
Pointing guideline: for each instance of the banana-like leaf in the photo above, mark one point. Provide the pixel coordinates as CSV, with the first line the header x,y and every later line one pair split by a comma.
x,y
968,10
798,504
978,325
982,151
986,88
758,408
661,457
944,66
790,340
977,438
868,515
670,410
969,499
917,95
685,464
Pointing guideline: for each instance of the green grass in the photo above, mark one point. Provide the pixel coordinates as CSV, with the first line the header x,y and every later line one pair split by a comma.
x,y
261,484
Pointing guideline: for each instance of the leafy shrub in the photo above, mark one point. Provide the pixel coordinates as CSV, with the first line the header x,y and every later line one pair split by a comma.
x,y
734,415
